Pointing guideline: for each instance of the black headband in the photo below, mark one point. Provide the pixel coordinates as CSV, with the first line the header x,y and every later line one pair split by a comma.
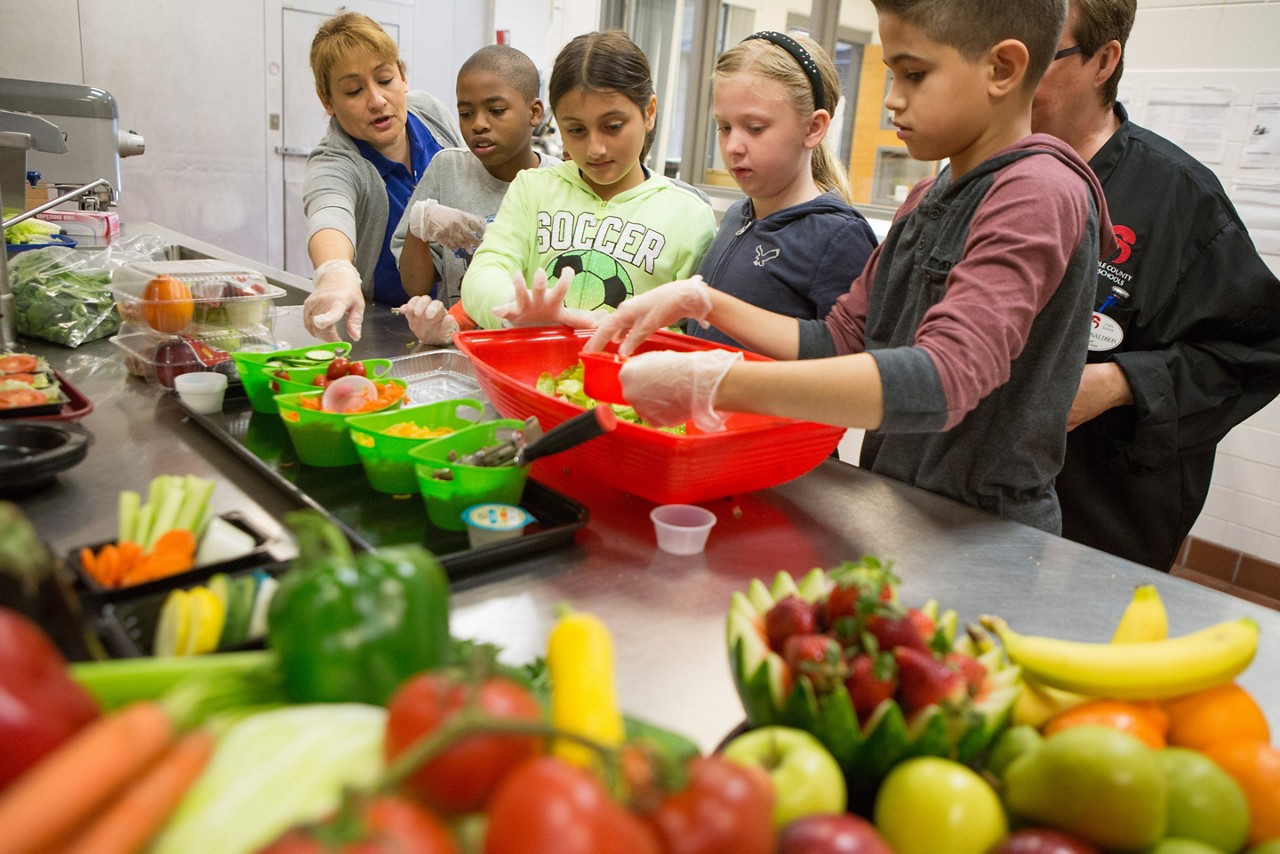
x,y
801,56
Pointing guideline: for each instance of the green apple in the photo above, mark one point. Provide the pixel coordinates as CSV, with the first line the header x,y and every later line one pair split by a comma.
x,y
807,780
1205,803
1012,743
928,805
1176,845
1098,783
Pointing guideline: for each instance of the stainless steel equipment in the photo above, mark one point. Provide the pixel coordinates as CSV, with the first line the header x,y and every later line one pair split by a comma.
x,y
89,123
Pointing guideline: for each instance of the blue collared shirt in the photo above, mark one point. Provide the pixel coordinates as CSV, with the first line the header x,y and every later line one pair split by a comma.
x,y
400,184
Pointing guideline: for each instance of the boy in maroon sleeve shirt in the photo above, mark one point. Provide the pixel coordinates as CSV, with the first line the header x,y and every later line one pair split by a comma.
x,y
961,344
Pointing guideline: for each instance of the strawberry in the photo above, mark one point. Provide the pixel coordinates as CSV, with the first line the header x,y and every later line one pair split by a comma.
x,y
842,601
893,632
790,616
817,657
924,680
923,623
871,681
973,671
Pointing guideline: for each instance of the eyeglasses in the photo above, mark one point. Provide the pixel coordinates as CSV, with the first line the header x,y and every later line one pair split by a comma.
x,y
1067,51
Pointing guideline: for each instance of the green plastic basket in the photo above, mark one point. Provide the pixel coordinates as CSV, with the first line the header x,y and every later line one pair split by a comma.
x,y
256,386
447,499
302,379
386,459
321,438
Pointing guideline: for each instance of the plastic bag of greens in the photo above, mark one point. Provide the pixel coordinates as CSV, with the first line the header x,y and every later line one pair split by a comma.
x,y
64,295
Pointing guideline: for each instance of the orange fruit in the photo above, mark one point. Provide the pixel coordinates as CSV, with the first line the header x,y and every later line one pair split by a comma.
x,y
1222,713
1145,721
1255,765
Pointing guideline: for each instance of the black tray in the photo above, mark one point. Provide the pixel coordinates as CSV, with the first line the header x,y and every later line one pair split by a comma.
x,y
128,628
92,590
372,519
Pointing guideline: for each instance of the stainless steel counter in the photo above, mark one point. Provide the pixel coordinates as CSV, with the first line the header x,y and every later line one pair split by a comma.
x,y
666,612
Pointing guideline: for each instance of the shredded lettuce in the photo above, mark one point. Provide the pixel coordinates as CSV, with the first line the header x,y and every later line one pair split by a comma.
x,y
567,386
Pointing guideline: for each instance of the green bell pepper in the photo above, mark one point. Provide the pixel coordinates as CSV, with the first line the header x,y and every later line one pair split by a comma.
x,y
351,628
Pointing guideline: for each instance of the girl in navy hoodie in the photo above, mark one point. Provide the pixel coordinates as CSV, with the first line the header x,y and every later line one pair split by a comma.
x,y
795,243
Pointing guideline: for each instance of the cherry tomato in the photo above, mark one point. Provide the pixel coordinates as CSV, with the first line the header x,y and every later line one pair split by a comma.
x,y
724,807
547,806
385,824
357,369
337,368
320,381
464,777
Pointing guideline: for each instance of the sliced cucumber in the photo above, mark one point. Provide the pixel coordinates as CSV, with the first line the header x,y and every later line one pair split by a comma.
x,y
261,602
240,597
320,355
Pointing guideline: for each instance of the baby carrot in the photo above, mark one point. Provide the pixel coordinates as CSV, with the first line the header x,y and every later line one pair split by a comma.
x,y
131,820
43,807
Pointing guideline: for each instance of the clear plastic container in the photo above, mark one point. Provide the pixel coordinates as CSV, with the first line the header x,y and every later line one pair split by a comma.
x,y
217,296
159,358
682,529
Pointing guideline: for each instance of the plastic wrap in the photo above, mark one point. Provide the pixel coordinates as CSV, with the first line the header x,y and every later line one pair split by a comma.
x,y
64,296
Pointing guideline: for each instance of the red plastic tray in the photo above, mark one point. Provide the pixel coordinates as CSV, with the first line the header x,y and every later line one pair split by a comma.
x,y
753,452
76,405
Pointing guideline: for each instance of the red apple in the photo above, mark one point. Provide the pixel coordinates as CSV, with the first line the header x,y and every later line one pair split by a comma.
x,y
831,834
1038,840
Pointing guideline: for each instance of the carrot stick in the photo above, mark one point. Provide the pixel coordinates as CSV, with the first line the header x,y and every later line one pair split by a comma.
x,y
89,561
131,820
108,559
175,540
55,797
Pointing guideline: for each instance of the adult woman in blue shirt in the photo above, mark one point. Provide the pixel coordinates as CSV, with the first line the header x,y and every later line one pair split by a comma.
x,y
380,139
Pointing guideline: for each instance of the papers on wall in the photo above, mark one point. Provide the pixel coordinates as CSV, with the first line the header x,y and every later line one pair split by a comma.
x,y
1193,117
1262,138
1258,203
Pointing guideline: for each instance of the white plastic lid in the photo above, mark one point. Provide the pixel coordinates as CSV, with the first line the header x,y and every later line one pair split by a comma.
x,y
496,517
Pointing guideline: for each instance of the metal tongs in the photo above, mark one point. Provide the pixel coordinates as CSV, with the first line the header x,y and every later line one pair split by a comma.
x,y
530,443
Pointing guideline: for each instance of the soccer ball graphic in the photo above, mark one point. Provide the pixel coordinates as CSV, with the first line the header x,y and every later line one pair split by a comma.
x,y
599,281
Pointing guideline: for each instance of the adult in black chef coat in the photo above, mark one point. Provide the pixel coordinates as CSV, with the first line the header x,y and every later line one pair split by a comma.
x,y
1186,341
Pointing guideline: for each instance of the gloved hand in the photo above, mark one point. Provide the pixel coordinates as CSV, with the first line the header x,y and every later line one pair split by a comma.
x,y
639,317
454,229
430,320
538,306
337,292
669,388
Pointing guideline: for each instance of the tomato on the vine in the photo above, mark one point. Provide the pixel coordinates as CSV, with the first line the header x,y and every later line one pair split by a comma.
x,y
547,806
464,776
379,824
723,807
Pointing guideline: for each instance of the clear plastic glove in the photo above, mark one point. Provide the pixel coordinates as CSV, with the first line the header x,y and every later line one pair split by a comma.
x,y
430,320
436,223
540,306
337,293
669,388
639,317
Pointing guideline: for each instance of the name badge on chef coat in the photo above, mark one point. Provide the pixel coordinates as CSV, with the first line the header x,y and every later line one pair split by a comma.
x,y
1104,333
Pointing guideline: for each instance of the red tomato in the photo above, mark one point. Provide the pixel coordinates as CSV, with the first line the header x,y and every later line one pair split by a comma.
x,y
320,381
21,397
357,369
386,824
15,362
547,806
337,368
724,807
29,379
462,778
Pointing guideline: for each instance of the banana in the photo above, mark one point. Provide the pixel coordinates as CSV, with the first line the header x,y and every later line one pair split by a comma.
x,y
1146,670
1144,619
1038,704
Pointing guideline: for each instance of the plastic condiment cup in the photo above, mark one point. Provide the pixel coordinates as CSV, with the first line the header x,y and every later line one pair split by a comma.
x,y
202,391
682,529
493,523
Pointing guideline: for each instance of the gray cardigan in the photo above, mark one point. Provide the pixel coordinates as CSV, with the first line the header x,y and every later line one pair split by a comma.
x,y
344,191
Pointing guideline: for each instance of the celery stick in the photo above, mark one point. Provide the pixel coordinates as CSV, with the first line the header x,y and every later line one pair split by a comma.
x,y
130,502
120,681
195,507
167,512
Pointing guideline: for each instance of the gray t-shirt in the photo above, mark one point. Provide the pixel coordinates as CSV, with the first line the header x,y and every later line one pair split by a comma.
x,y
455,178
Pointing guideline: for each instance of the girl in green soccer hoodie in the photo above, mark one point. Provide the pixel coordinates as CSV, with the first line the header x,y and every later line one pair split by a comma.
x,y
601,222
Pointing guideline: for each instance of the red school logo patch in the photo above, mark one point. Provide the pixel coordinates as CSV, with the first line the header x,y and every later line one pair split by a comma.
x,y
1126,240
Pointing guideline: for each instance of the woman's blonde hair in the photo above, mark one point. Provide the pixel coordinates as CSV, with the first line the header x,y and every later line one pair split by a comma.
x,y
345,34
762,57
